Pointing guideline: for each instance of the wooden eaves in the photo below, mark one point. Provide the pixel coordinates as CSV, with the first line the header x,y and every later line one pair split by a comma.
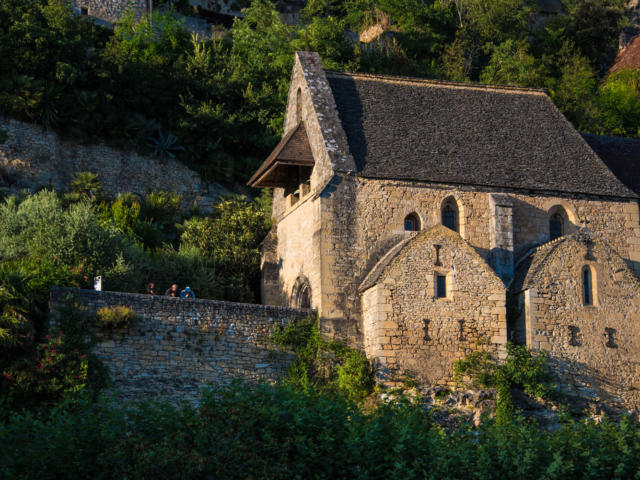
x,y
292,152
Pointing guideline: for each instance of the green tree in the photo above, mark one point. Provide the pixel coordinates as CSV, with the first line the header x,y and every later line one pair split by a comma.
x,y
619,101
15,327
229,241
574,90
511,64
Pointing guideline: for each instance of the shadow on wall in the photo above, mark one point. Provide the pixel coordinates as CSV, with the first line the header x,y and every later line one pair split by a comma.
x,y
351,119
532,226
584,385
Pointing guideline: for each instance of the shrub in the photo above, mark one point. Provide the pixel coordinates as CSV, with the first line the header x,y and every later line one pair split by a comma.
x,y
115,318
355,376
248,431
522,369
528,371
86,185
44,376
324,366
478,366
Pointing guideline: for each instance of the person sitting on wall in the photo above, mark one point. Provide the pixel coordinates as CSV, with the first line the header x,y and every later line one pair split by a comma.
x,y
151,289
187,293
173,291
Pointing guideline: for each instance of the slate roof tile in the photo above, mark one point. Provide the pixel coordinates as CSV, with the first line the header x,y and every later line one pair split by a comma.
x,y
621,155
471,134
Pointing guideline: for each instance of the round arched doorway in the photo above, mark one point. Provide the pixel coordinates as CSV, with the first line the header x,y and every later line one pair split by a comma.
x,y
301,294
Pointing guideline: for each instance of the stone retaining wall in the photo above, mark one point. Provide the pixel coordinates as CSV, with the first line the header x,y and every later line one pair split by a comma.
x,y
33,157
111,10
177,346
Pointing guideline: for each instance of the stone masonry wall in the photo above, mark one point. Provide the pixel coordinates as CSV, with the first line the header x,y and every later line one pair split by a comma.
x,y
301,244
32,157
111,10
409,331
592,362
177,346
363,218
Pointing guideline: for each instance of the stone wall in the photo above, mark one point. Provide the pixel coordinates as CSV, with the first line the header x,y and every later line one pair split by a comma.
x,y
33,157
593,348
177,346
363,218
409,330
110,10
304,248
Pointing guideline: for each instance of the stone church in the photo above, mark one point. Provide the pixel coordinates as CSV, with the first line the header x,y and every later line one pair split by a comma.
x,y
425,220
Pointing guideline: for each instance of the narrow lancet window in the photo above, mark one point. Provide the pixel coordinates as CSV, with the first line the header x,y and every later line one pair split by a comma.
x,y
450,215
441,286
587,287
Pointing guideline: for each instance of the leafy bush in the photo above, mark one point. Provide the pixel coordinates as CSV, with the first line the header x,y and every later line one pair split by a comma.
x,y
244,431
528,370
478,366
522,369
115,318
44,377
228,241
86,185
324,366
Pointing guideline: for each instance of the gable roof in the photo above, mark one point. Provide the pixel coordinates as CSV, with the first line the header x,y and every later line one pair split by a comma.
x,y
293,151
621,155
438,233
532,265
471,134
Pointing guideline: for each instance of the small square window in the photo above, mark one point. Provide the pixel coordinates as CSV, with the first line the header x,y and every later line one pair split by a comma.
x,y
441,286
84,10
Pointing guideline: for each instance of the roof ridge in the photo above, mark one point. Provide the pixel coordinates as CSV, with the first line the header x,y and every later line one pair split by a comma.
x,y
438,83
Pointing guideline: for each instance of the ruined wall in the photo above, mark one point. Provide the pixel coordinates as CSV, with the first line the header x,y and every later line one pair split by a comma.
x,y
32,157
110,10
177,346
409,331
592,362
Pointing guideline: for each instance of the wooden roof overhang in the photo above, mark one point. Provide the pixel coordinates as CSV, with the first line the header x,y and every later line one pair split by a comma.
x,y
282,164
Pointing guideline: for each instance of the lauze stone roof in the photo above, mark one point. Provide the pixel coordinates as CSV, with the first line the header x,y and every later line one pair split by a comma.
x,y
622,156
413,129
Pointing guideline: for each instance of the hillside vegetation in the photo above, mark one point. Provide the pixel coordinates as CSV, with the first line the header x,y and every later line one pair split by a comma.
x,y
218,104
66,239
240,433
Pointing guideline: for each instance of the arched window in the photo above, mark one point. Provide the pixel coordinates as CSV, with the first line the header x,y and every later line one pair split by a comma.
x,y
587,286
556,226
411,223
301,294
450,215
